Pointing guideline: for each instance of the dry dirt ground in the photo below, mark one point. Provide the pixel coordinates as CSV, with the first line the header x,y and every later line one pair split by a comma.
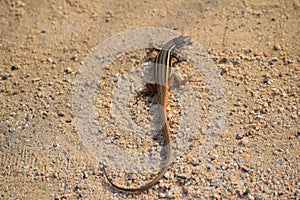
x,y
255,47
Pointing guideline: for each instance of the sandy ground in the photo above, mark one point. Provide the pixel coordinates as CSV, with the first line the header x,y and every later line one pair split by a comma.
x,y
255,47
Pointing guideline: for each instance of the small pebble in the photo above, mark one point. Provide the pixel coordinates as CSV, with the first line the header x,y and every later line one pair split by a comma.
x,y
116,137
266,80
65,49
208,167
68,70
78,187
266,189
214,157
12,129
61,114
247,50
238,137
212,184
245,169
50,60
5,76
276,47
13,68
167,175
244,142
276,153
162,195
294,116
56,145
202,131
247,191
272,62
39,94
85,175
216,196
250,197
74,58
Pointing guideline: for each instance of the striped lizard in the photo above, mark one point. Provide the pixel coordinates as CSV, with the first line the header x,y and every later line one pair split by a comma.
x,y
162,72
